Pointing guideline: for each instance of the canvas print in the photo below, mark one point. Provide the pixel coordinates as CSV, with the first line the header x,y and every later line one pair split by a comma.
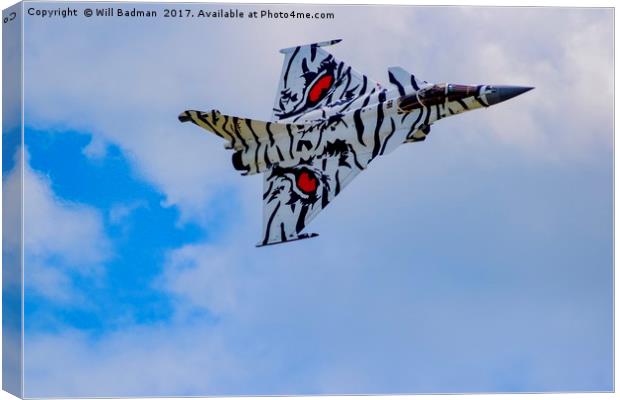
x,y
168,168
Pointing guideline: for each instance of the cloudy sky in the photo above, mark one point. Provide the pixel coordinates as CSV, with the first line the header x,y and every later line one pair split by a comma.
x,y
478,260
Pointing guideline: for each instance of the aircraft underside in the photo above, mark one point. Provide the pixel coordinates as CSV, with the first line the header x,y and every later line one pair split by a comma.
x,y
329,122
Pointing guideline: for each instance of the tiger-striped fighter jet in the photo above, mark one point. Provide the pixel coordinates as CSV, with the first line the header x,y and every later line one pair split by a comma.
x,y
329,122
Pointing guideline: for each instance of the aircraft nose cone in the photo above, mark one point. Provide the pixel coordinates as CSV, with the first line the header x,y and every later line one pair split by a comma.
x,y
503,93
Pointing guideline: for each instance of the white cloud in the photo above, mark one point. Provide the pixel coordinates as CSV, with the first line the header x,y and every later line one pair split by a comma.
x,y
566,54
53,226
120,213
204,276
330,316
96,149
136,361
60,237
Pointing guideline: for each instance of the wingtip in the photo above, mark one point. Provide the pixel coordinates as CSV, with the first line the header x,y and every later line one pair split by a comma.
x,y
185,116
317,44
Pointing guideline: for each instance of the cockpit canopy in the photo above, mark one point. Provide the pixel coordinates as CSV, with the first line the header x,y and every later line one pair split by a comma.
x,y
458,92
436,94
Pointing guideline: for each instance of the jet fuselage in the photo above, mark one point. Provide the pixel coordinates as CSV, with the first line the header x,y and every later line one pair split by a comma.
x,y
328,123
389,114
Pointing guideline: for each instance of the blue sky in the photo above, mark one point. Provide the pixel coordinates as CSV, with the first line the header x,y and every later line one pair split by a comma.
x,y
479,260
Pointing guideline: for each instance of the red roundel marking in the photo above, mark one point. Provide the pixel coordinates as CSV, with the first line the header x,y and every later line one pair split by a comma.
x,y
320,88
307,182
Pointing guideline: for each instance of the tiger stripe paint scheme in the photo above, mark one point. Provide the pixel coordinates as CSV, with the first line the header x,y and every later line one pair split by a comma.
x,y
329,122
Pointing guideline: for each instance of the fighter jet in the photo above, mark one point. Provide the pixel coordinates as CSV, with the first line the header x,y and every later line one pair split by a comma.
x,y
328,123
